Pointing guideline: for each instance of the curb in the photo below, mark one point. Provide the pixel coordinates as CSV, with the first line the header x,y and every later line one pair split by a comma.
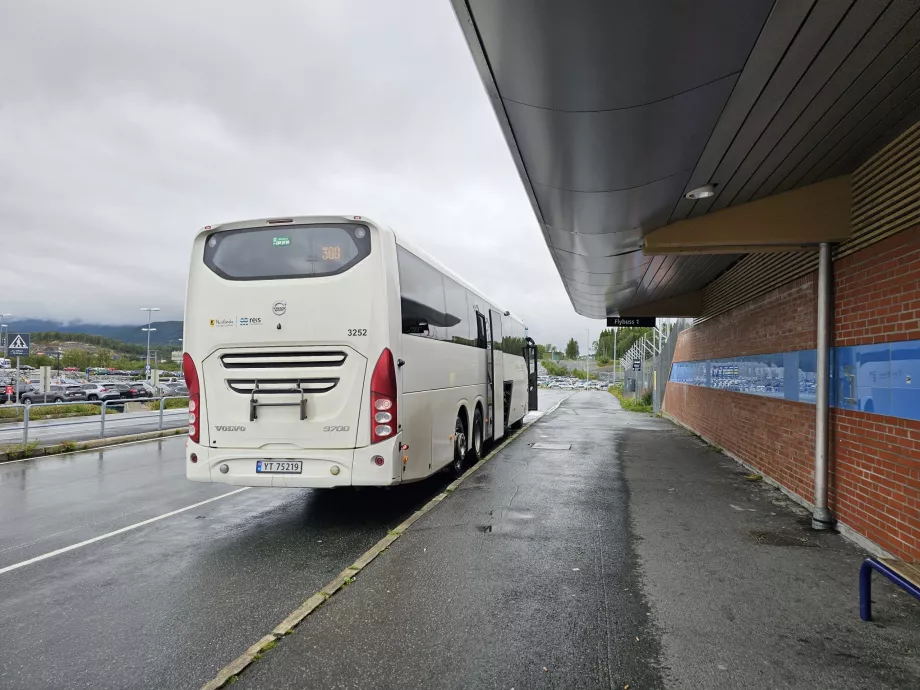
x,y
60,448
230,673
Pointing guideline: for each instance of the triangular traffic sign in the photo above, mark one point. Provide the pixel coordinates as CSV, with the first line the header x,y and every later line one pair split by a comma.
x,y
18,343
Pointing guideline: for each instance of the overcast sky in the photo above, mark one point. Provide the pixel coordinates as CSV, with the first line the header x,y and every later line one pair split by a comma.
x,y
125,126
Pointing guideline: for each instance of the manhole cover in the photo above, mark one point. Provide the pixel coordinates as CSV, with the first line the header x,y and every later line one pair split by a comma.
x,y
781,539
552,446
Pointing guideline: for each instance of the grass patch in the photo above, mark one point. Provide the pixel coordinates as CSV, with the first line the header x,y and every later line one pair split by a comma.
x,y
68,446
628,402
269,646
554,369
169,405
27,450
54,411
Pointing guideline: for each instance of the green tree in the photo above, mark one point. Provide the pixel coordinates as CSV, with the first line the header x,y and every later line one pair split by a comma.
x,y
571,349
625,338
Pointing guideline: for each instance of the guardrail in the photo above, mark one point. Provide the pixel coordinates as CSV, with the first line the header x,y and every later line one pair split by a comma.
x,y
104,405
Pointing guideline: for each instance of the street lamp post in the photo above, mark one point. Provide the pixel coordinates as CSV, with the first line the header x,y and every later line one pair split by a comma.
x,y
4,340
587,355
149,311
615,360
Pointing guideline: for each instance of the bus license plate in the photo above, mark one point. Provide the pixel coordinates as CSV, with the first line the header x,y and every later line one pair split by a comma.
x,y
279,467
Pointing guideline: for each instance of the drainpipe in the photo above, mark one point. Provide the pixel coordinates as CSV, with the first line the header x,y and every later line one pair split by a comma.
x,y
822,518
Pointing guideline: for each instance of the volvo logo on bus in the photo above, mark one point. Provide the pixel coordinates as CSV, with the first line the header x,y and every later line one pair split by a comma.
x,y
230,428
279,307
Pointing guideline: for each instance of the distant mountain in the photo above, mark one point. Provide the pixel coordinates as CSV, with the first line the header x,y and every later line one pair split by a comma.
x,y
166,333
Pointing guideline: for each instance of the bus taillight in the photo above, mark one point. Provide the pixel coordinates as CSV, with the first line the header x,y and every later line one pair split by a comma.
x,y
194,397
383,398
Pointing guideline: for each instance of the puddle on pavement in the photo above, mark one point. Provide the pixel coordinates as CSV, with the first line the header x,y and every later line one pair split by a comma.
x,y
506,521
780,538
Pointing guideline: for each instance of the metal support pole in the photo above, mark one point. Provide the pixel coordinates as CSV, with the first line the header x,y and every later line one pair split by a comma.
x,y
162,405
25,426
102,420
147,361
615,355
822,518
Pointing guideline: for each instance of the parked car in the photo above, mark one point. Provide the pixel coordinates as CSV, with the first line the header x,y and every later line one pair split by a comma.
x,y
58,394
100,391
179,390
139,390
123,391
22,388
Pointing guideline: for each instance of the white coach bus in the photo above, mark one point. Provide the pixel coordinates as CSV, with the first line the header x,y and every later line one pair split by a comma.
x,y
327,351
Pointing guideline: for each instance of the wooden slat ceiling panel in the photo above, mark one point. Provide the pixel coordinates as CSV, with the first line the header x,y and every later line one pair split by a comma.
x,y
886,200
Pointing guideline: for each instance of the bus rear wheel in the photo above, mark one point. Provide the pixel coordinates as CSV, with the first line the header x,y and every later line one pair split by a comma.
x,y
475,452
457,466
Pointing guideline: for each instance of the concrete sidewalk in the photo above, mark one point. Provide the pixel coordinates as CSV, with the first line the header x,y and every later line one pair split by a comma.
x,y
638,556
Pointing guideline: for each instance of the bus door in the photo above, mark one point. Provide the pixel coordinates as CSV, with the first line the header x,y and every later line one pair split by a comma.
x,y
484,332
530,359
497,374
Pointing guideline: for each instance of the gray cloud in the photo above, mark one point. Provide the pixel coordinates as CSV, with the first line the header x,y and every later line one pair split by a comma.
x,y
126,126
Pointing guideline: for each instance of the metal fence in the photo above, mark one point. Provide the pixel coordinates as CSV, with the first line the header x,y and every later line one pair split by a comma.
x,y
653,356
39,427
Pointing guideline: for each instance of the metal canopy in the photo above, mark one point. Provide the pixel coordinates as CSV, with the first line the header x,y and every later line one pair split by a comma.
x,y
613,110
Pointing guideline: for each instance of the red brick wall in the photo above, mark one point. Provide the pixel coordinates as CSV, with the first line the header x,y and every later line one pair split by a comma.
x,y
877,296
780,321
875,483
875,459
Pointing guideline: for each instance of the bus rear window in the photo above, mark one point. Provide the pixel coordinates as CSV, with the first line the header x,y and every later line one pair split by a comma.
x,y
286,251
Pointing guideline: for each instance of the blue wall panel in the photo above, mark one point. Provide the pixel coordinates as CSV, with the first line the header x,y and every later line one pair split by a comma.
x,y
883,378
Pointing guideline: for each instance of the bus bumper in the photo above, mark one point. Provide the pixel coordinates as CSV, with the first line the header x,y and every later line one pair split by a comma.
x,y
321,468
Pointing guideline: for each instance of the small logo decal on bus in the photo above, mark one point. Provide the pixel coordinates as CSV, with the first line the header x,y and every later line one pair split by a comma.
x,y
221,323
279,307
250,321
230,428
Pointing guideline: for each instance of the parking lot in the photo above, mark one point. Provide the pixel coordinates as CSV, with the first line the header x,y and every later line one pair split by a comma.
x,y
570,383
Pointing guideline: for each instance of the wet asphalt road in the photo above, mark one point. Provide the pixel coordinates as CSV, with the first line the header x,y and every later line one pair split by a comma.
x,y
87,428
168,604
165,605
524,577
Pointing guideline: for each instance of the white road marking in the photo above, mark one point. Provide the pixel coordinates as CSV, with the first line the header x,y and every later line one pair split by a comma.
x,y
81,544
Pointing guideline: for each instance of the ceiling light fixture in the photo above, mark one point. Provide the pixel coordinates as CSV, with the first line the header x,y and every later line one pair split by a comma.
x,y
704,192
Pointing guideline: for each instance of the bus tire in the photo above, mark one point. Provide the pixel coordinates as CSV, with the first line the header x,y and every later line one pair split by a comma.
x,y
475,451
459,463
